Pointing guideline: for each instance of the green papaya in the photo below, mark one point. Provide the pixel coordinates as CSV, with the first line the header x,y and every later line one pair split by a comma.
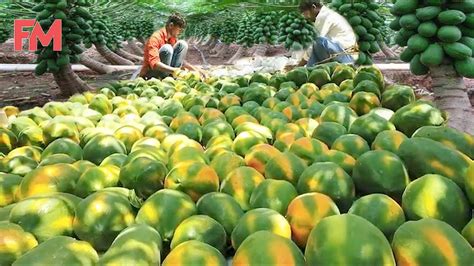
x,y
464,6
405,6
407,55
426,156
416,67
464,67
418,43
449,34
41,67
450,137
469,32
394,24
409,21
457,50
428,29
468,41
469,22
432,56
428,13
451,17
62,61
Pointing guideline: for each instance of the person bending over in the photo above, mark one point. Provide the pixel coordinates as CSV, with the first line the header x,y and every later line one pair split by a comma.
x,y
336,36
164,54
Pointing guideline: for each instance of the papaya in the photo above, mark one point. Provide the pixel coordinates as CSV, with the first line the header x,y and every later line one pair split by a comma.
x,y
426,156
464,67
451,17
432,56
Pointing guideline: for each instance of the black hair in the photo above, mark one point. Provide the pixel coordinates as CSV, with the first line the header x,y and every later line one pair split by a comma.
x,y
177,20
308,4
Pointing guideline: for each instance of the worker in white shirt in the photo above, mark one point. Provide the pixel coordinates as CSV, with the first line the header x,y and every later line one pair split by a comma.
x,y
336,36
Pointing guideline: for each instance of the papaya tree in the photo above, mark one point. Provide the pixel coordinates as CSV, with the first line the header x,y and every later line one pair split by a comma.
x,y
439,40
244,36
197,29
215,31
5,25
102,38
5,31
135,29
229,33
73,14
265,31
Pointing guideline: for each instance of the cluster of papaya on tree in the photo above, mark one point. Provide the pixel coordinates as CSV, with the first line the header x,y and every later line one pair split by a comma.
x,y
101,34
139,28
73,15
246,30
435,32
367,25
296,32
196,28
271,27
107,41
229,31
265,30
5,31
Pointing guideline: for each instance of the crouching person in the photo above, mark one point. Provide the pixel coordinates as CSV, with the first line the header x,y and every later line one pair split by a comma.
x,y
336,36
164,54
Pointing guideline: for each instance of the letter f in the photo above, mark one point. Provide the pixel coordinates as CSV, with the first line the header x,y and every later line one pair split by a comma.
x,y
19,34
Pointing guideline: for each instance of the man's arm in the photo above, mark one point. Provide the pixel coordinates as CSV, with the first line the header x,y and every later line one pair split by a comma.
x,y
302,62
188,66
165,68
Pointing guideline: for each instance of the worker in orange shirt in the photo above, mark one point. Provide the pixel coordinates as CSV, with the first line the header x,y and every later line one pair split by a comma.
x,y
164,54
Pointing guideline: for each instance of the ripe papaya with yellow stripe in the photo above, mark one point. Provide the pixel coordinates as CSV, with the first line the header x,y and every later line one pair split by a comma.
x,y
440,244
261,248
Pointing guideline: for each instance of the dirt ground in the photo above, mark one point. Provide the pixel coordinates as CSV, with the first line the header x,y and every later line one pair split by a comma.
x,y
25,90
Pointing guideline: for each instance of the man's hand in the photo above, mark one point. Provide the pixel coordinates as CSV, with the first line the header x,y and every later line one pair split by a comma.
x,y
289,67
203,73
176,72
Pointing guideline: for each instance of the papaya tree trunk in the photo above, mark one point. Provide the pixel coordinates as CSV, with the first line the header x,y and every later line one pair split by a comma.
x,y
221,52
210,43
451,96
141,39
213,44
216,48
207,41
69,82
134,47
261,50
204,62
111,56
387,51
95,65
240,52
470,93
198,40
203,40
129,56
396,49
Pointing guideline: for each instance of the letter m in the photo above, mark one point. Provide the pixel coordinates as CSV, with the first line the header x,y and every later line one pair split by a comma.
x,y
54,34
